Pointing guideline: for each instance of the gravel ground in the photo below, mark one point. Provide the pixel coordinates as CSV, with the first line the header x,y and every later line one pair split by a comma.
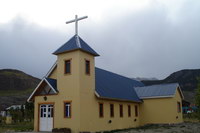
x,y
175,128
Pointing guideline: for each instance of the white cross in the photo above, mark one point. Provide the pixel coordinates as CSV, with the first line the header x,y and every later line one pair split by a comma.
x,y
76,22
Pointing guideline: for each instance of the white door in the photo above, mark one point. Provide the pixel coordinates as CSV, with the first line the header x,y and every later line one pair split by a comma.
x,y
46,117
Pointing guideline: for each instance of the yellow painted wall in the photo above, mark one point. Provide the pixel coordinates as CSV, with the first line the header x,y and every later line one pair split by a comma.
x,y
161,110
92,121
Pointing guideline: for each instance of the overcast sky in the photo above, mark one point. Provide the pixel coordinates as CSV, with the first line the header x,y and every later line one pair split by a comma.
x,y
135,38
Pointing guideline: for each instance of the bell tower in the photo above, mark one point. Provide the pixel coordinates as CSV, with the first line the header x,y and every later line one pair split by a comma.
x,y
75,75
75,64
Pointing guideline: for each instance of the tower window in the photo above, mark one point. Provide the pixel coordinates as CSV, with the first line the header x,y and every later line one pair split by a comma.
x,y
87,67
67,67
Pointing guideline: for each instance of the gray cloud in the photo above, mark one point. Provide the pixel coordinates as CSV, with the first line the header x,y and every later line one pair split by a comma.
x,y
149,43
27,47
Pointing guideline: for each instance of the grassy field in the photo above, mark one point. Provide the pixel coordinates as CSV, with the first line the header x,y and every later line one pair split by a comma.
x,y
18,127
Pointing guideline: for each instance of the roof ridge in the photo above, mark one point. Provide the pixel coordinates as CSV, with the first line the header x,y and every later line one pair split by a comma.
x,y
62,45
78,41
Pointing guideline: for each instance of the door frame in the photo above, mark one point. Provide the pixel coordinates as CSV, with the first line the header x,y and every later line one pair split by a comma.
x,y
38,123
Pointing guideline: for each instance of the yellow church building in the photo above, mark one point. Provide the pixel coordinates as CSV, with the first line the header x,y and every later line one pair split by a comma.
x,y
77,95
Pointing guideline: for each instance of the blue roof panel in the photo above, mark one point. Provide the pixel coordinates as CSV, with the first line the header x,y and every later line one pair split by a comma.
x,y
75,43
157,90
114,86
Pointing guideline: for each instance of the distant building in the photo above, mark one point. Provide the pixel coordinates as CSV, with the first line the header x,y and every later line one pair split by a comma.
x,y
3,113
185,106
14,107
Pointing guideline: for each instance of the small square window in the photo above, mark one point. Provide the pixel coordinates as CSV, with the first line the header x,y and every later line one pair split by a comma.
x,y
67,66
67,109
87,67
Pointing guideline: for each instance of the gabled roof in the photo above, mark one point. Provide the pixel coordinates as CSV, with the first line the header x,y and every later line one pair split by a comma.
x,y
158,91
75,43
52,84
113,86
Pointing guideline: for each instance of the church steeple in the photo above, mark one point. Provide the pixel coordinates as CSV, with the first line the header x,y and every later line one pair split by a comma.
x,y
75,43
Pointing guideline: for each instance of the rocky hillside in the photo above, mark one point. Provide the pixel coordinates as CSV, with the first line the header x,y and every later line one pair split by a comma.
x,y
15,87
187,80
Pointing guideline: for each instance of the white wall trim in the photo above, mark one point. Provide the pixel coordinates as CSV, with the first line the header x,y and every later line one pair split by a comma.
x,y
35,90
29,99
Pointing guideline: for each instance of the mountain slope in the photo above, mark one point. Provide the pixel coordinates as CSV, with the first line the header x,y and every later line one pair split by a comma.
x,y
15,87
187,80
16,80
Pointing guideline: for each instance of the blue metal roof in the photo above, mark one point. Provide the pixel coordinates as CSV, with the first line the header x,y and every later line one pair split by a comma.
x,y
53,83
162,90
113,86
75,43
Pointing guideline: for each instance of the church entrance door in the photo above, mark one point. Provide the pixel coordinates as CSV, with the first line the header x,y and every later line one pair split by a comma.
x,y
46,117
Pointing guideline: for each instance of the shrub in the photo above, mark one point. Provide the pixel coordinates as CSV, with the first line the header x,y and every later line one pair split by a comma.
x,y
61,130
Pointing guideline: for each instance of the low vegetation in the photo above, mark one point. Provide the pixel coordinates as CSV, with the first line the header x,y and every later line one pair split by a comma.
x,y
16,127
22,119
197,98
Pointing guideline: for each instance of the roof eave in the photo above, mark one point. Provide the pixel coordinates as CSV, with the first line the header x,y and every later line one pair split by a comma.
x,y
32,94
154,97
179,88
116,99
57,53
